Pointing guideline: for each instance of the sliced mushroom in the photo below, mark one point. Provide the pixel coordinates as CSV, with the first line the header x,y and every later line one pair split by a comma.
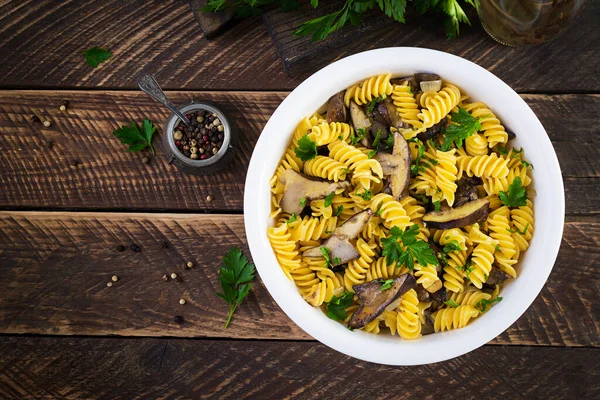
x,y
411,80
297,188
428,327
340,249
374,300
396,166
359,118
432,131
389,111
440,296
496,277
467,214
336,110
511,135
424,77
466,191
422,294
378,127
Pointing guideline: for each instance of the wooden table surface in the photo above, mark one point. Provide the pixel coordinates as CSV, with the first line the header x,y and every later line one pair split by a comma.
x,y
65,209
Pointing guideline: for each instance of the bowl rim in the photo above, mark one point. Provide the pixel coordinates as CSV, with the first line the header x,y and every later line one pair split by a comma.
x,y
385,349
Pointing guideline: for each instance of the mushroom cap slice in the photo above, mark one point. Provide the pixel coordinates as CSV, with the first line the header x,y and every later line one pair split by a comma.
x,y
396,166
336,110
467,214
339,243
297,187
373,300
359,118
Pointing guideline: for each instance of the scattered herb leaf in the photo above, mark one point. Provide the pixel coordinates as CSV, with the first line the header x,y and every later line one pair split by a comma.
x,y
385,285
96,56
292,218
379,209
377,139
372,153
415,249
303,202
136,139
483,303
329,262
516,195
464,126
502,150
523,232
339,210
360,135
307,149
336,307
373,103
366,195
234,278
329,199
451,303
451,246
389,142
437,205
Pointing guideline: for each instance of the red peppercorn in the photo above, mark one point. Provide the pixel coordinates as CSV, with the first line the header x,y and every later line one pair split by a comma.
x,y
205,138
177,143
203,157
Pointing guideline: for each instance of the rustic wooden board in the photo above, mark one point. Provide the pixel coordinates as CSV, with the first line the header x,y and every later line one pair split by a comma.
x,y
33,176
517,66
55,267
41,43
75,368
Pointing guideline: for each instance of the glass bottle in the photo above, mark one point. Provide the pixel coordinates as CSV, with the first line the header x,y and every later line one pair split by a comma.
x,y
521,22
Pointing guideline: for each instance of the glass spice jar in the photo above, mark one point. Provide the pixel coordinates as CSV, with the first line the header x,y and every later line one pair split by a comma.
x,y
198,135
523,22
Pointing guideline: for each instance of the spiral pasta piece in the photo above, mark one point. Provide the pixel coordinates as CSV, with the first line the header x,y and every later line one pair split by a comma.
x,y
476,145
408,323
325,133
391,211
380,269
470,297
364,169
522,220
326,168
320,210
284,248
440,105
492,129
356,272
496,185
454,275
324,291
490,166
482,258
426,275
446,319
407,106
307,228
367,90
445,174
499,227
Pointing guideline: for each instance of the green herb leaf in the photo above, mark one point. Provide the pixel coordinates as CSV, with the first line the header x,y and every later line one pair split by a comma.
x,y
516,195
379,209
96,56
422,198
360,135
483,303
377,139
523,232
234,278
464,126
307,149
303,202
373,103
416,166
292,218
451,303
437,205
131,135
336,307
329,199
502,150
385,285
416,249
329,262
372,154
388,143
339,210
451,246
366,195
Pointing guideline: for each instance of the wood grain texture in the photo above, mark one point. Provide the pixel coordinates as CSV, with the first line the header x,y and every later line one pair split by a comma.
x,y
55,267
33,176
41,43
75,368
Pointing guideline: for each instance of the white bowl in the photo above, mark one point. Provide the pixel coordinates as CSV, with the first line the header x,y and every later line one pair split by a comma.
x,y
481,85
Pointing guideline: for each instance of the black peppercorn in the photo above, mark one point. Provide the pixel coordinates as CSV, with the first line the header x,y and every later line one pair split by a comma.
x,y
120,248
146,160
179,319
135,247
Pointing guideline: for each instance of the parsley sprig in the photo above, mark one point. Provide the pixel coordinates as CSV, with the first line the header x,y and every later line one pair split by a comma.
x,y
329,262
366,195
307,149
523,232
516,195
451,303
403,248
336,307
483,303
385,285
464,126
235,278
338,211
451,246
136,139
96,56
328,199
360,135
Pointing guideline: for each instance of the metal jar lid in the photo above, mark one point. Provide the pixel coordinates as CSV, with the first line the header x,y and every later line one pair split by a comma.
x,y
211,164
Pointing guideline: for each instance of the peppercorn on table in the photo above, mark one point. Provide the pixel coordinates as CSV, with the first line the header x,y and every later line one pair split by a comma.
x,y
110,259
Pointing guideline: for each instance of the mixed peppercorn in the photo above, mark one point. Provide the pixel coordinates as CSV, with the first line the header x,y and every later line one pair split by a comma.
x,y
203,138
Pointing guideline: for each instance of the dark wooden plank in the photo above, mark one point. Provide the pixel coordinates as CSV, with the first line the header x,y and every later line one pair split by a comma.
x,y
41,43
211,23
55,267
75,368
32,176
